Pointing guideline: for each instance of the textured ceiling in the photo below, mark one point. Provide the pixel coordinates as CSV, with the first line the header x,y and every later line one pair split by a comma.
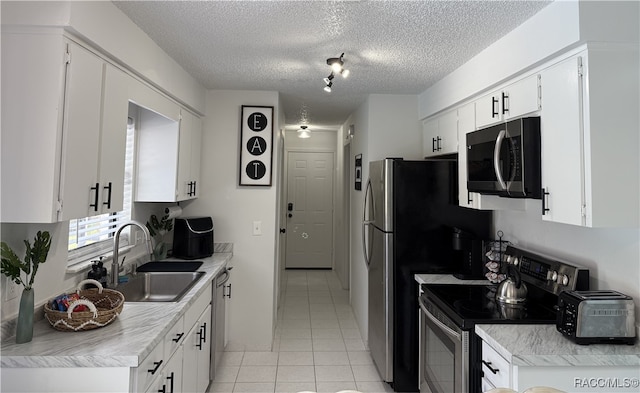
x,y
398,47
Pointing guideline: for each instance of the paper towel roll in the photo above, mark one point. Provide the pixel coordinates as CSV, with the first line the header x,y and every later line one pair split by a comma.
x,y
172,212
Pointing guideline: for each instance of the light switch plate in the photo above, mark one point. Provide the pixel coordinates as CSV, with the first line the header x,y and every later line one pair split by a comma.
x,y
257,228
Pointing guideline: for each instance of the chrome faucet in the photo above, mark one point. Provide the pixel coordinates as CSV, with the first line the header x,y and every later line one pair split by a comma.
x,y
115,264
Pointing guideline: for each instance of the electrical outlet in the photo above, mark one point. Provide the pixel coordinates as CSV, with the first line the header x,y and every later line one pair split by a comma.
x,y
12,290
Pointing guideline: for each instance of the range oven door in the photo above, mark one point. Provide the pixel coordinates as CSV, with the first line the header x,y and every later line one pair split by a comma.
x,y
444,352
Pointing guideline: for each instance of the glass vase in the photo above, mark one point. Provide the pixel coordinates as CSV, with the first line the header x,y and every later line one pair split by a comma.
x,y
24,327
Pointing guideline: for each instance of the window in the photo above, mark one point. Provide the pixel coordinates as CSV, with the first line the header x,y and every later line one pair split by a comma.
x,y
90,237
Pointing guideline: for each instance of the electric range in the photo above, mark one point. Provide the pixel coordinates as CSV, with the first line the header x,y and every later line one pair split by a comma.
x,y
450,352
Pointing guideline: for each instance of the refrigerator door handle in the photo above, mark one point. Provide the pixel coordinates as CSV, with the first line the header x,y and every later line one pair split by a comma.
x,y
365,224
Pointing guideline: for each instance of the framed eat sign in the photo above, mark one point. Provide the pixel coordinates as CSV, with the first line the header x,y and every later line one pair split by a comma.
x,y
256,145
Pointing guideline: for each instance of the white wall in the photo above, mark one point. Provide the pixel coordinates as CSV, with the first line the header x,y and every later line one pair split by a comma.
x,y
234,208
612,255
385,126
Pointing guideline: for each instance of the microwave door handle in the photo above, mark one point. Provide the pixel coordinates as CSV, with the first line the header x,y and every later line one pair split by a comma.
x,y
366,223
496,158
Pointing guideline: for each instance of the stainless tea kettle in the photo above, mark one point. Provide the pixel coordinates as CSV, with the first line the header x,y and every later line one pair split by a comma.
x,y
512,290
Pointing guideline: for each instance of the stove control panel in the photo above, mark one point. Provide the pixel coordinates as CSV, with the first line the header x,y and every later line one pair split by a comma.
x,y
548,273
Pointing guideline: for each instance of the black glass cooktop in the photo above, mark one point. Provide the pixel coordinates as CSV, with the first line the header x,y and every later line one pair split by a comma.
x,y
468,305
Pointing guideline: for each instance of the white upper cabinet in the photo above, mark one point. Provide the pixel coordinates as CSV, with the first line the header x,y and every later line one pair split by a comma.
x,y
57,100
512,101
589,131
168,167
189,155
440,135
94,142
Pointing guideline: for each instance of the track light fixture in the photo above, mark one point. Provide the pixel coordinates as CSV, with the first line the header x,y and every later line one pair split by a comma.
x,y
337,67
328,79
304,133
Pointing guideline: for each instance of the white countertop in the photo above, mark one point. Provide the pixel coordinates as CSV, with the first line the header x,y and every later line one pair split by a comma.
x,y
123,343
543,345
446,279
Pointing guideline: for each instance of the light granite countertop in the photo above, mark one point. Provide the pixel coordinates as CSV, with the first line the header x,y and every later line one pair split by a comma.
x,y
446,279
543,345
123,343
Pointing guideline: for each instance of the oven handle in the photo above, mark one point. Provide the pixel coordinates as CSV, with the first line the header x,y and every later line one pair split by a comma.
x,y
438,323
496,158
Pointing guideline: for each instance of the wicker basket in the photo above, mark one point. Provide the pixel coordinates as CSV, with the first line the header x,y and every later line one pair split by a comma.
x,y
104,307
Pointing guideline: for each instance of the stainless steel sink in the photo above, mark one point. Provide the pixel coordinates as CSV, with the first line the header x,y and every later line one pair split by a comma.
x,y
158,286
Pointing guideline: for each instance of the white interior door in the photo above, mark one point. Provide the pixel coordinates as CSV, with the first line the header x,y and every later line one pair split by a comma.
x,y
309,210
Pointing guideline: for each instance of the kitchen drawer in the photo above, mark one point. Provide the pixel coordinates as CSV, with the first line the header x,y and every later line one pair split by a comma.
x,y
150,368
496,369
174,338
197,308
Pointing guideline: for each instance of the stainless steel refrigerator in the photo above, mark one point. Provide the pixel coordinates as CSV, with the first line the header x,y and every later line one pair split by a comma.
x,y
410,212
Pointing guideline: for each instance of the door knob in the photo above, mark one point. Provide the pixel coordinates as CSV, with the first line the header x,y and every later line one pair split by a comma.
x,y
283,230
290,215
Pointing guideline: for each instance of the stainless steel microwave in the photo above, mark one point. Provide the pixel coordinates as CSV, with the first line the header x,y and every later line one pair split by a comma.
x,y
504,159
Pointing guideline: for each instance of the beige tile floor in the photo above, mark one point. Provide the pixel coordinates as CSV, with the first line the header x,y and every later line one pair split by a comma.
x,y
317,345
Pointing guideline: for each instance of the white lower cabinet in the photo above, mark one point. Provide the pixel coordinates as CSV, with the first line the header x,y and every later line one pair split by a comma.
x,y
197,354
496,370
170,379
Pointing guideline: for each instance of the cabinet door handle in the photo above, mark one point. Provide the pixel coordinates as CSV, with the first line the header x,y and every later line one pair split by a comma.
x,y
178,337
488,364
433,144
228,292
163,390
170,378
469,200
545,194
194,187
95,201
505,96
438,140
199,344
108,202
157,366
494,109
204,332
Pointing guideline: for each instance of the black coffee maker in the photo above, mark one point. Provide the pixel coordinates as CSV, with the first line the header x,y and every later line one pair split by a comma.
x,y
468,255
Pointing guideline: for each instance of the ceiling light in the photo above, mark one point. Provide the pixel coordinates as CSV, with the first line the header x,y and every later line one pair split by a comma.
x,y
304,133
328,79
336,63
337,66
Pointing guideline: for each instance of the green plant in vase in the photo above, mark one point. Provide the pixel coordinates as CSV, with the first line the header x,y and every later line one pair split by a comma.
x,y
158,229
13,267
